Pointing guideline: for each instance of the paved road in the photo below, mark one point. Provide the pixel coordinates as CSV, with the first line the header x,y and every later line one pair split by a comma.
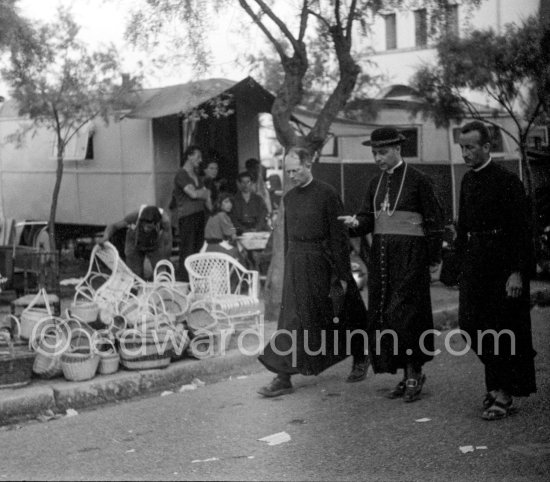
x,y
338,431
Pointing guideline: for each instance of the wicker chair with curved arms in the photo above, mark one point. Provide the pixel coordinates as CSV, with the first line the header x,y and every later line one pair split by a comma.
x,y
218,280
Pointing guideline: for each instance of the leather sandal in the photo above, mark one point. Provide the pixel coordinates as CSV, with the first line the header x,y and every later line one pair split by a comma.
x,y
488,400
413,388
497,411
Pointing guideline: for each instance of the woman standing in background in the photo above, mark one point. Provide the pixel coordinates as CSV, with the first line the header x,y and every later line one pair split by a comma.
x,y
190,198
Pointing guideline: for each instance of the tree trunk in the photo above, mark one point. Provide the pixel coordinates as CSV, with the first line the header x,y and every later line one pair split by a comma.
x,y
531,194
55,195
288,97
275,273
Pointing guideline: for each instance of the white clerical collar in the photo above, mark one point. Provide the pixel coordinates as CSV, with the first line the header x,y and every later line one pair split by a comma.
x,y
477,169
307,183
390,171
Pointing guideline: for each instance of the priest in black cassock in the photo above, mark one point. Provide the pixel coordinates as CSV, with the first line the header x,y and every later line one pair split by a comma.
x,y
406,220
323,317
494,247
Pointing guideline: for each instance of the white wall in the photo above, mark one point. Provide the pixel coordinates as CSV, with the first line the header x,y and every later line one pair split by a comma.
x,y
96,191
398,65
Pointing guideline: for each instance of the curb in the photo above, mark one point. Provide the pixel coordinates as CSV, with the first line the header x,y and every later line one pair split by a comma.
x,y
58,395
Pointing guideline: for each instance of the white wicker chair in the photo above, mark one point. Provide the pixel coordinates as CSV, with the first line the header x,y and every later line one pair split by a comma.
x,y
108,281
218,280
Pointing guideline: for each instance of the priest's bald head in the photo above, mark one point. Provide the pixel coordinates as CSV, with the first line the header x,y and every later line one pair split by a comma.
x,y
298,163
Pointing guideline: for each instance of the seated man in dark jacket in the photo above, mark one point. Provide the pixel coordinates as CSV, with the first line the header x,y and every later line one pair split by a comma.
x,y
249,210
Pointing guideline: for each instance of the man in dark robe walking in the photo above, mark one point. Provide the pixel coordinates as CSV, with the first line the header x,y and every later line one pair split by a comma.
x,y
405,218
322,317
494,247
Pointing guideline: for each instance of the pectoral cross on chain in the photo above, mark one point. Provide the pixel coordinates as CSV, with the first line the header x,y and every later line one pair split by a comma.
x,y
385,206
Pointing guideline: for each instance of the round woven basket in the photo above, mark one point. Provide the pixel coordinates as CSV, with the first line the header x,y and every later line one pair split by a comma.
x,y
108,363
86,311
82,364
29,319
51,341
108,360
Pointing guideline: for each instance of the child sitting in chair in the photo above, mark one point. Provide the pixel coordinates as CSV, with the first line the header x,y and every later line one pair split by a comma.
x,y
220,233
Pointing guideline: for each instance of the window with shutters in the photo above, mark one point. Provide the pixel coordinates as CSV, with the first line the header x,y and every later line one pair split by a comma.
x,y
391,31
420,28
451,20
409,148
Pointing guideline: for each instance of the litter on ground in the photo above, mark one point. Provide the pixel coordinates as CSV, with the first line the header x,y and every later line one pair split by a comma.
x,y
276,438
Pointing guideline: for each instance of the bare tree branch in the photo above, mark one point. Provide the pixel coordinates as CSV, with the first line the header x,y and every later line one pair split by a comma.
x,y
351,17
320,17
303,21
263,28
277,21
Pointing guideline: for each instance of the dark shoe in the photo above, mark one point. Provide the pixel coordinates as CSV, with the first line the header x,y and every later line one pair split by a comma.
x,y
278,386
413,387
358,371
398,391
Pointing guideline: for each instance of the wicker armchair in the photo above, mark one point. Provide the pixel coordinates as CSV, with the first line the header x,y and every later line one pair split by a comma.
x,y
220,281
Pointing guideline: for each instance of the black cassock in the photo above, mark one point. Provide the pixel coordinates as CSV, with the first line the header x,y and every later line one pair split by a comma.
x,y
316,254
493,241
405,217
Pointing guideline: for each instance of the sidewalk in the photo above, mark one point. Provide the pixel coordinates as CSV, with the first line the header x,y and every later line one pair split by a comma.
x,y
57,395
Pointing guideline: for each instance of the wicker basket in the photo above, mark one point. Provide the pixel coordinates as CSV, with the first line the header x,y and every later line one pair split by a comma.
x,y
201,318
213,341
141,351
32,315
51,342
108,363
16,361
16,366
133,344
181,342
86,311
108,360
82,364
145,363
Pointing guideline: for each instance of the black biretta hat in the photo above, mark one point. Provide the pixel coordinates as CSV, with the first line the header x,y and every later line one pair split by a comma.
x,y
384,136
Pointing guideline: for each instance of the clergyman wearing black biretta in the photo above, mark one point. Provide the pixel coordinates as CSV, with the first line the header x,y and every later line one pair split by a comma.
x,y
384,136
405,218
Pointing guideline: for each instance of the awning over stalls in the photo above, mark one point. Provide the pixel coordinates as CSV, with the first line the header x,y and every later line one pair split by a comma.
x,y
179,99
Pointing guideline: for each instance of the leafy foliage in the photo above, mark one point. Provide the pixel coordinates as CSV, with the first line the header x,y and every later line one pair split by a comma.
x,y
61,86
511,68
11,23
